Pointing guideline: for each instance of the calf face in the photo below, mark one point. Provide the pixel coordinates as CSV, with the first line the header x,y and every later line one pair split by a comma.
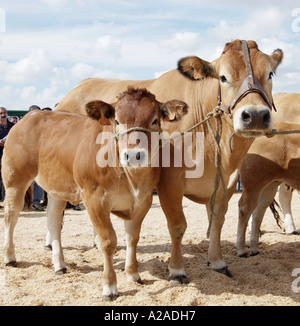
x,y
135,116
252,111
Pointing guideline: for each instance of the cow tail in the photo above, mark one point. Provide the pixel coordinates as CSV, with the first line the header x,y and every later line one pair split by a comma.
x,y
276,214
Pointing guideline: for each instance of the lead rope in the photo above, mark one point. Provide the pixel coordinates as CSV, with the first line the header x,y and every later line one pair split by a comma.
x,y
216,114
274,132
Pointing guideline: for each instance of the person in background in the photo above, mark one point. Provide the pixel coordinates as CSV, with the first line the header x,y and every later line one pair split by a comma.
x,y
5,127
13,119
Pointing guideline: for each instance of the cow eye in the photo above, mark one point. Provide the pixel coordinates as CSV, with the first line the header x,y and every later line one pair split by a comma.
x,y
117,122
154,123
223,79
271,75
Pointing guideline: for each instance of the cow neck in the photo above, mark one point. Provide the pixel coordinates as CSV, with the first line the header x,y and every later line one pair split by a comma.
x,y
136,180
205,103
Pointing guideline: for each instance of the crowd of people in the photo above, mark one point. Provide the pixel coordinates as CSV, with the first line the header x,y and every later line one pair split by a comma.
x,y
40,198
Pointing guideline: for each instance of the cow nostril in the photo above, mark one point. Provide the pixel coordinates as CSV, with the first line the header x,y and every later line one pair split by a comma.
x,y
126,157
246,117
266,118
138,156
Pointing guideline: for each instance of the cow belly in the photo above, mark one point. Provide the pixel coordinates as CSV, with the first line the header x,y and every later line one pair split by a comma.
x,y
64,190
128,206
199,190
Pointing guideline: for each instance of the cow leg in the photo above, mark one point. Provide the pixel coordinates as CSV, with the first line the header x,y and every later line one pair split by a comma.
x,y
14,202
247,204
265,200
55,209
132,229
100,217
171,204
285,199
215,259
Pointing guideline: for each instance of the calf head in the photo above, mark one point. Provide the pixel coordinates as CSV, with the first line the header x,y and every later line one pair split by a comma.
x,y
245,83
134,117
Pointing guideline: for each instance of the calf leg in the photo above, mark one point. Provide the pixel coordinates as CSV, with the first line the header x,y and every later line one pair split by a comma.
x,y
55,209
100,217
172,207
132,229
285,199
215,259
14,202
265,201
247,204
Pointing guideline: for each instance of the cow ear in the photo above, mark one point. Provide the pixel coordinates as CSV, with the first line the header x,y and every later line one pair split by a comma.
x,y
196,68
101,111
173,110
276,58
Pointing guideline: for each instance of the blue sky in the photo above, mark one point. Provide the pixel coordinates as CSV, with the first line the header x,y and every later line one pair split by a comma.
x,y
48,46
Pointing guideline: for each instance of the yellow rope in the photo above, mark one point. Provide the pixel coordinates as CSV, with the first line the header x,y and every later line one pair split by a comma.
x,y
216,113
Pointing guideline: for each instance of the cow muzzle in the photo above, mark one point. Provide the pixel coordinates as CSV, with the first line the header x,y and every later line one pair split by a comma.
x,y
135,157
252,121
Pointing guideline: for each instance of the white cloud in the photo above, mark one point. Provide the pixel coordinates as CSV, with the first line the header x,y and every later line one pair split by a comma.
x,y
189,41
36,64
41,61
266,23
108,47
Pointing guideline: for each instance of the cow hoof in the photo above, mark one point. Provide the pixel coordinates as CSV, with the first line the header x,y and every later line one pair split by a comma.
x,y
180,279
134,278
12,263
48,247
111,297
294,233
61,271
244,255
225,271
254,253
139,281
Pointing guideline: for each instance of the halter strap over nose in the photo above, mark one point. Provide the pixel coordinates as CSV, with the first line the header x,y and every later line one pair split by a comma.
x,y
249,85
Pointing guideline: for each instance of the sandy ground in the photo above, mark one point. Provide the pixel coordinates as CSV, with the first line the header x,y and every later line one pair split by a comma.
x,y
265,279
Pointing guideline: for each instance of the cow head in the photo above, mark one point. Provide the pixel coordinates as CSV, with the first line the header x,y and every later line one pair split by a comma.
x,y
134,117
252,111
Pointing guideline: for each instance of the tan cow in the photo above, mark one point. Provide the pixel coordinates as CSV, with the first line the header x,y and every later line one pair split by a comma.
x,y
198,83
268,163
70,158
260,188
288,110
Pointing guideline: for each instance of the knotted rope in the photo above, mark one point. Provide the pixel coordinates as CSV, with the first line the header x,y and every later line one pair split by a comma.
x,y
216,114
274,132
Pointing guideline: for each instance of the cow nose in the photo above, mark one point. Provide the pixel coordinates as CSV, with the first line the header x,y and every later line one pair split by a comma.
x,y
254,119
134,157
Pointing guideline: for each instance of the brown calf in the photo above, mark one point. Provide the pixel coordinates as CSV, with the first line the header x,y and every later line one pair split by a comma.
x,y
69,156
268,163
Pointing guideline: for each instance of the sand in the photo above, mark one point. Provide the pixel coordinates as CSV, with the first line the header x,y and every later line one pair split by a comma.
x,y
265,279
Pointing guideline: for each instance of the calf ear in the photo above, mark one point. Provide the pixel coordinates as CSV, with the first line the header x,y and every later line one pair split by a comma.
x,y
196,68
173,110
101,111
